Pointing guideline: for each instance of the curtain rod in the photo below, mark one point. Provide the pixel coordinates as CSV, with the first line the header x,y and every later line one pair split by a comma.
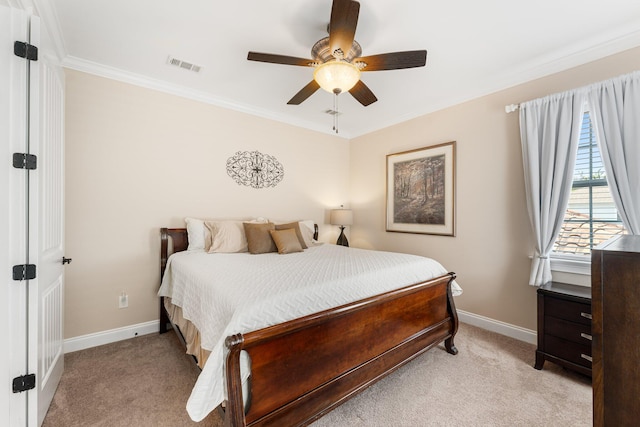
x,y
513,107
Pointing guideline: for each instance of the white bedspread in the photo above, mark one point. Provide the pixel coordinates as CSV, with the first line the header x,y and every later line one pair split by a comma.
x,y
224,294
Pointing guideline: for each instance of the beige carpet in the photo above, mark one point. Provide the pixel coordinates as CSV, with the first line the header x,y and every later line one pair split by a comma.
x,y
491,382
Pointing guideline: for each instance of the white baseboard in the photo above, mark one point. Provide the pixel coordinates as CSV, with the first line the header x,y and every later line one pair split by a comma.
x,y
113,335
119,334
522,334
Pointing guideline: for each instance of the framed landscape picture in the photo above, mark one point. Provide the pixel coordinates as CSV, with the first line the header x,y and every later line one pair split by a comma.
x,y
421,190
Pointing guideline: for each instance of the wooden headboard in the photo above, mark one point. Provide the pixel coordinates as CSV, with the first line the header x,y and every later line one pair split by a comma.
x,y
180,242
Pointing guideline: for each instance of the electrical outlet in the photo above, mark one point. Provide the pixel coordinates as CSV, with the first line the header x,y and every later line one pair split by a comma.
x,y
123,300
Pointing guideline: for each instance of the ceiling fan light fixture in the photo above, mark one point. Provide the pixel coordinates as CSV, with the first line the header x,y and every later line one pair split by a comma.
x,y
336,76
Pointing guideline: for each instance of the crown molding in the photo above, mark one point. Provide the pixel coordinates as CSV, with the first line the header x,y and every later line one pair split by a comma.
x,y
622,39
97,69
588,50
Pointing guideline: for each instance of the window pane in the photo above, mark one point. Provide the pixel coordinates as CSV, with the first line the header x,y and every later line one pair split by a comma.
x,y
588,162
591,216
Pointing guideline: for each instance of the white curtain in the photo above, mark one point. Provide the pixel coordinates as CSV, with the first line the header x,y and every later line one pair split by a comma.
x,y
615,107
549,131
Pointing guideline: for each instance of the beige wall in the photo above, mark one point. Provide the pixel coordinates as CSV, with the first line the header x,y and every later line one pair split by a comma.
x,y
138,160
493,240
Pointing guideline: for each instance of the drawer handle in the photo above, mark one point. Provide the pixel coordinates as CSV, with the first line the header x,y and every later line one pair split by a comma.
x,y
586,315
586,356
586,336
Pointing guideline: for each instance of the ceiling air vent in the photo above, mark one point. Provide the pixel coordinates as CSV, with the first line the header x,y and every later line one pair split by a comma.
x,y
183,64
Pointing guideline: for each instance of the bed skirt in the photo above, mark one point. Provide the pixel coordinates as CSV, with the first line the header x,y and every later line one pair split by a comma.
x,y
188,331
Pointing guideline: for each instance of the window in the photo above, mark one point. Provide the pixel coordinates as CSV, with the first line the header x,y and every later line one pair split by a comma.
x,y
591,216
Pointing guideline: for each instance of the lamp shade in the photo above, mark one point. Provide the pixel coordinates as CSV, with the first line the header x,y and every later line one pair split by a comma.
x,y
341,217
336,76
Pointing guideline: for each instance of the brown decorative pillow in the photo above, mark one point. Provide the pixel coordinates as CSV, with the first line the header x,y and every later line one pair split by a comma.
x,y
286,241
258,238
295,226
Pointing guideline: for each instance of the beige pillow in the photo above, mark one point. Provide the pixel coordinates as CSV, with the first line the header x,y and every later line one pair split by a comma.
x,y
286,241
225,237
296,227
258,238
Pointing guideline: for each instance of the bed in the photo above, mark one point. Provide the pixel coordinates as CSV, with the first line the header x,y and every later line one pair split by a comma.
x,y
292,372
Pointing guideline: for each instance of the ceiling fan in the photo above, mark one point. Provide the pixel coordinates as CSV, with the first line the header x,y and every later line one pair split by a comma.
x,y
337,59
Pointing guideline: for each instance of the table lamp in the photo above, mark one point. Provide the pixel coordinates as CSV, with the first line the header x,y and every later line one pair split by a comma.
x,y
341,217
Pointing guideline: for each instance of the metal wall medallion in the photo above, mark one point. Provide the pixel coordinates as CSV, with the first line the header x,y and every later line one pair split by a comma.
x,y
254,169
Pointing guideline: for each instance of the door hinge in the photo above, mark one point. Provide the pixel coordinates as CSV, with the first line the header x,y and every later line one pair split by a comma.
x,y
24,272
25,50
24,383
25,161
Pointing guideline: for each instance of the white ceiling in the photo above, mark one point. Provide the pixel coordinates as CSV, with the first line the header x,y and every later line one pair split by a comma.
x,y
474,48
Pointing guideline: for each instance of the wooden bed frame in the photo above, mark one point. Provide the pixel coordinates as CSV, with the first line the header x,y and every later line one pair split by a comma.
x,y
303,368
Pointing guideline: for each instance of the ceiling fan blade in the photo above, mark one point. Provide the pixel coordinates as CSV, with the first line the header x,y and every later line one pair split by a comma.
x,y
393,61
342,27
304,93
363,94
280,59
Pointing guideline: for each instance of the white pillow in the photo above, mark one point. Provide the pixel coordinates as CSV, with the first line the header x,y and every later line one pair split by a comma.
x,y
195,233
307,228
226,237
198,233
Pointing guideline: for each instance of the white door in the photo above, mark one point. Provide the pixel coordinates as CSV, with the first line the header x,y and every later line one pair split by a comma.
x,y
13,125
47,302
34,222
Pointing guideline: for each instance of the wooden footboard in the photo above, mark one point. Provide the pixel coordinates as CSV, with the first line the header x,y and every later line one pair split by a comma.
x,y
304,368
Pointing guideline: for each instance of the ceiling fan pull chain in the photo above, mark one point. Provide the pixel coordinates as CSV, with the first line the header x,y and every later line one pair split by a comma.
x,y
335,111
335,97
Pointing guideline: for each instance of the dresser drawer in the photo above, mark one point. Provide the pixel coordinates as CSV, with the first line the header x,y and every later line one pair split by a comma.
x,y
564,326
579,354
576,332
568,310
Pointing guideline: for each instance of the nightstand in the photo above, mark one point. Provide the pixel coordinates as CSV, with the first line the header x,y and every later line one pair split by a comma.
x,y
564,326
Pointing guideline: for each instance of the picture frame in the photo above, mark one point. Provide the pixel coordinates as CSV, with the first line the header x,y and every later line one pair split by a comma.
x,y
421,190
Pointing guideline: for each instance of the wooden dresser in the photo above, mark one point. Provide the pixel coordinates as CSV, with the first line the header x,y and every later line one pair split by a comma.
x,y
564,326
615,285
